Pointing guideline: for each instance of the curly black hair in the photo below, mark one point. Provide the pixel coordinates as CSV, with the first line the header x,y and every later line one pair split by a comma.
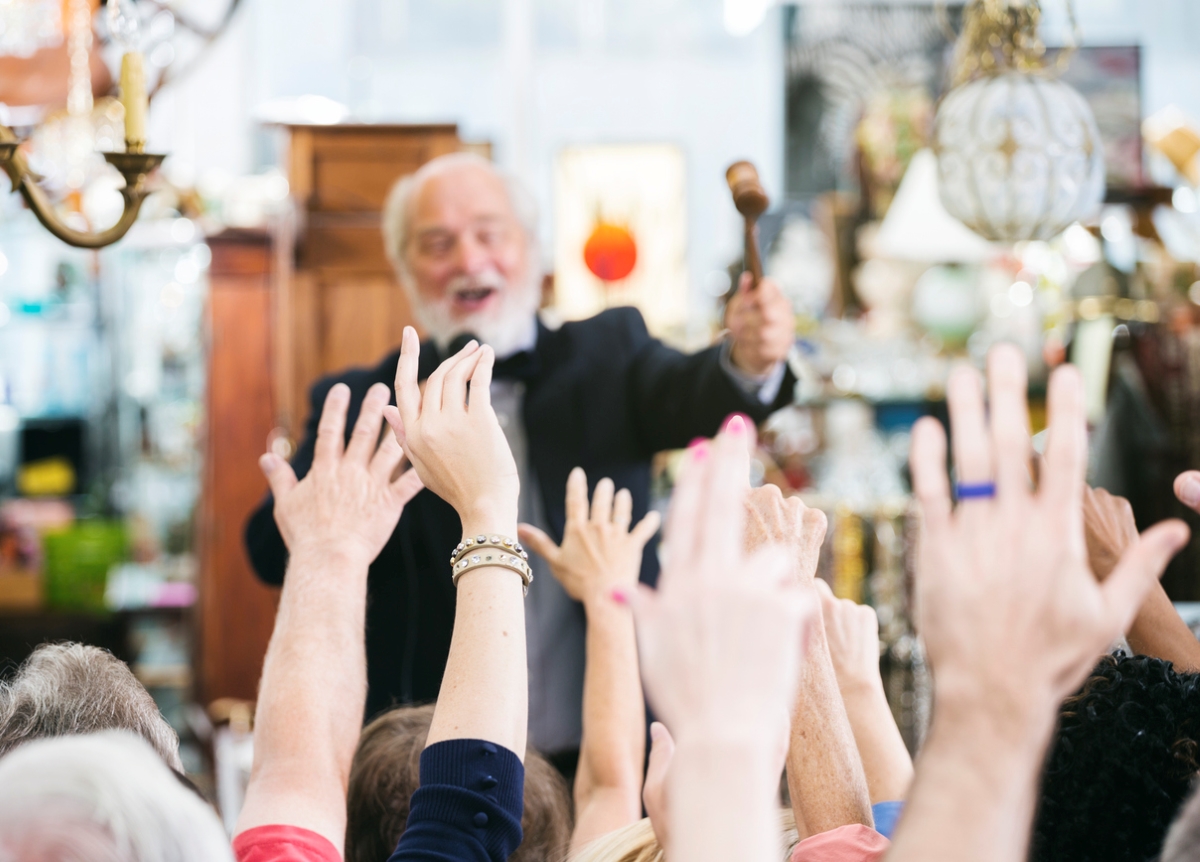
x,y
1121,763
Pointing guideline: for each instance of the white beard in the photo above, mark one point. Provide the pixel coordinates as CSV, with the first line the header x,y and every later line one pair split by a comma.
x,y
507,327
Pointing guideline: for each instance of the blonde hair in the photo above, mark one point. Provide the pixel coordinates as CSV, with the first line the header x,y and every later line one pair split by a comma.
x,y
638,843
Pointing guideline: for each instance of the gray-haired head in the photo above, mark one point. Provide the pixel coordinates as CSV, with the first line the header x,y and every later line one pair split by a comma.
x,y
104,797
70,688
397,210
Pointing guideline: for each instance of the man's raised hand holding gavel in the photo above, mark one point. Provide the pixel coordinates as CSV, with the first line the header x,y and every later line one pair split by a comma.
x,y
761,325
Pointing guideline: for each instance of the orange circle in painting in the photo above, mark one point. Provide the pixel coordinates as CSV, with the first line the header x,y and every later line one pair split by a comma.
x,y
610,252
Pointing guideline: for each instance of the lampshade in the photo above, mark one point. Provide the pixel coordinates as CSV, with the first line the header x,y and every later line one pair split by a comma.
x,y
1019,156
917,226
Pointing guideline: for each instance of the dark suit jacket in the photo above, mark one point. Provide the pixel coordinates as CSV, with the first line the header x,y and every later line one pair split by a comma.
x,y
606,397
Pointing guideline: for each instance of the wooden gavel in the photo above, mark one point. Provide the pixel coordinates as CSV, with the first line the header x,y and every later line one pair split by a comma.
x,y
751,201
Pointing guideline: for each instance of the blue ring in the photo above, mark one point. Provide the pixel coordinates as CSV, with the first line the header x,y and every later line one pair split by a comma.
x,y
975,491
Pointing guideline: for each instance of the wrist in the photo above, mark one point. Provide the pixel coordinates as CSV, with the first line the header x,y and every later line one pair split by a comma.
x,y
1016,720
490,519
342,555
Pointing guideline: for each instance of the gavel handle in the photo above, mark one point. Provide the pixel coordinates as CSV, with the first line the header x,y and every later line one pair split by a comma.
x,y
753,262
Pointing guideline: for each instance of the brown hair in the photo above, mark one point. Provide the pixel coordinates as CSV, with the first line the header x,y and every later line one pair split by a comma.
x,y
387,770
638,843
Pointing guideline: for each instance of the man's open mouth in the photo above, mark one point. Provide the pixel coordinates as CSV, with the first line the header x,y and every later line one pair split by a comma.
x,y
473,298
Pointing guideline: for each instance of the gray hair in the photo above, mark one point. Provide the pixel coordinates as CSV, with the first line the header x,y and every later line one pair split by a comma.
x,y
104,797
397,210
1183,838
70,688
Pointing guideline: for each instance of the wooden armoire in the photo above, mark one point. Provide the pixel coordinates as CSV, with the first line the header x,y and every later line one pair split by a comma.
x,y
312,295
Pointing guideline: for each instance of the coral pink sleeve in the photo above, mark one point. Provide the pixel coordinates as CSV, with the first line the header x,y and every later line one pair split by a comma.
x,y
854,843
283,844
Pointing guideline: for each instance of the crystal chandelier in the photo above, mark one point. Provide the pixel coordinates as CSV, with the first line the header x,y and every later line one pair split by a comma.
x,y
1019,153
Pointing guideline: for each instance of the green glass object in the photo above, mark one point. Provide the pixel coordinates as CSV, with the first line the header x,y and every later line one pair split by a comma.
x,y
77,560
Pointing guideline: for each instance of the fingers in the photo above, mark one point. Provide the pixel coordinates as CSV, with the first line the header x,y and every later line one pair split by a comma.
x,y
1009,421
365,435
602,501
683,526
387,458
1187,489
408,391
968,430
724,510
538,542
454,382
927,460
433,386
646,528
392,414
407,486
280,475
1139,568
1066,444
481,380
331,430
577,499
622,513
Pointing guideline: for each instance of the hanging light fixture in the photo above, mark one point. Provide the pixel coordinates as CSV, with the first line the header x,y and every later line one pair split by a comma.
x,y
1019,153
75,136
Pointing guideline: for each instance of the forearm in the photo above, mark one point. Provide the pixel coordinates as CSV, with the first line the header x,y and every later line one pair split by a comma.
x,y
485,690
975,788
722,800
1159,631
312,693
824,770
608,785
886,762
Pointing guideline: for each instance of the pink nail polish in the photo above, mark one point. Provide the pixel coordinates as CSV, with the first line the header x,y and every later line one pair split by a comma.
x,y
620,596
698,451
735,425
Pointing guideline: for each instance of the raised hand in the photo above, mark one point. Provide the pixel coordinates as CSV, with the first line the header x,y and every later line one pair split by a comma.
x,y
453,438
762,324
773,518
1014,569
852,632
352,498
720,646
599,553
1109,529
720,637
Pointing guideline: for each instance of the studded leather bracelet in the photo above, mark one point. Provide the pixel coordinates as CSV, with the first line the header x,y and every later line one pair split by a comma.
x,y
482,550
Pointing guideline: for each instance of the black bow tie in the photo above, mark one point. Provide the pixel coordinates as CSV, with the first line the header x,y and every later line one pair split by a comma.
x,y
522,365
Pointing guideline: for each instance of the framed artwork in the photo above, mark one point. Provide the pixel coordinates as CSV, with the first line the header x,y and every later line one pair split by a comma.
x,y
1110,79
620,232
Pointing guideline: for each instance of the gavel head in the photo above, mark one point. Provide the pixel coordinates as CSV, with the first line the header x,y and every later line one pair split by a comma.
x,y
749,196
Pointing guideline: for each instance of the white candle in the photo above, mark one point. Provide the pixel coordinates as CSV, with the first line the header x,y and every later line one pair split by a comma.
x,y
133,97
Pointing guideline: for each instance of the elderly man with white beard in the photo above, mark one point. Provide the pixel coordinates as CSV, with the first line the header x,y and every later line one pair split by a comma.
x,y
601,394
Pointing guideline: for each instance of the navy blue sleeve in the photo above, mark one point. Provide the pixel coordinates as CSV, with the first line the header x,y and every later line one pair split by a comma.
x,y
468,807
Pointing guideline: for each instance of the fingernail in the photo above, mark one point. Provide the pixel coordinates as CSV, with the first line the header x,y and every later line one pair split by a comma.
x,y
657,731
1189,492
267,463
735,425
698,451
620,596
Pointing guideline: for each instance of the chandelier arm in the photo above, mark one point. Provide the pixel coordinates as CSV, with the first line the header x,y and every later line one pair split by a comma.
x,y
133,166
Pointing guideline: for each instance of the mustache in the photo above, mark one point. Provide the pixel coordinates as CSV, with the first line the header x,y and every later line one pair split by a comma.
x,y
488,279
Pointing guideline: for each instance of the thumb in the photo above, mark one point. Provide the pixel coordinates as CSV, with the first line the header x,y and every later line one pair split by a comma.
x,y
1187,489
1140,566
392,414
662,751
537,541
280,475
407,486
646,528
745,282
